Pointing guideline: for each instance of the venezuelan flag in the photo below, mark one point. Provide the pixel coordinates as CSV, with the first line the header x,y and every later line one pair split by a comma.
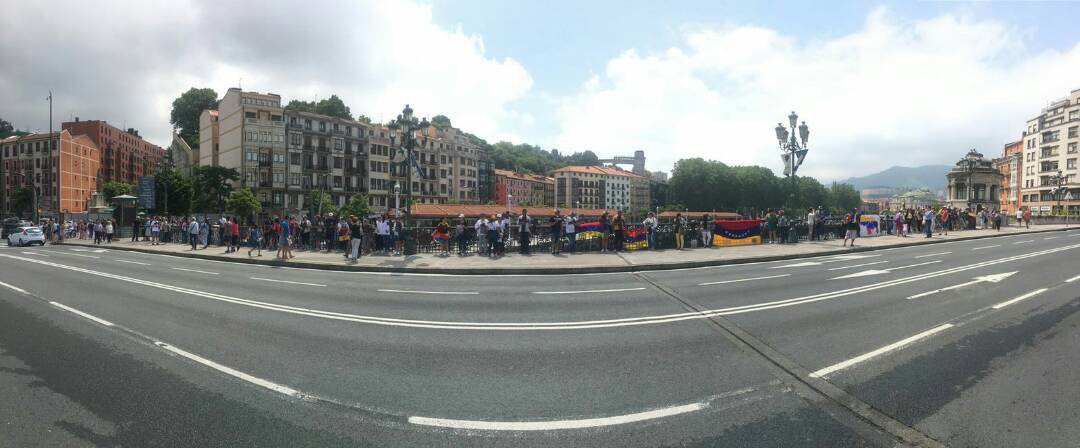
x,y
440,235
588,230
635,239
736,232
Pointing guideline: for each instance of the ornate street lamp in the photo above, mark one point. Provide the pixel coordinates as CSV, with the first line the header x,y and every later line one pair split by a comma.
x,y
397,199
407,125
793,151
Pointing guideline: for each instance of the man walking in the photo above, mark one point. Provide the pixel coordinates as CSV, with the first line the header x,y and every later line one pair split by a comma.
x,y
284,253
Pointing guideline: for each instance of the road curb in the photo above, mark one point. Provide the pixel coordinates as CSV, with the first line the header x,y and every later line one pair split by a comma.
x,y
557,270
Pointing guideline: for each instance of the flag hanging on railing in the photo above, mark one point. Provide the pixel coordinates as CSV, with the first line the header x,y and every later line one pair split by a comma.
x,y
588,230
736,232
635,239
868,225
440,236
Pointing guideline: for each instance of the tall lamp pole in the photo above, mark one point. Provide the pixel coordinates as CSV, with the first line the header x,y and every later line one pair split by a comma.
x,y
407,125
792,152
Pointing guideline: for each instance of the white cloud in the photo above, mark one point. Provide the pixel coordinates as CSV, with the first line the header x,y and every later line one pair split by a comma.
x,y
125,61
895,92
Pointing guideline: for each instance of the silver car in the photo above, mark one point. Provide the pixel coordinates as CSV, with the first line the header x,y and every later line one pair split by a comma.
x,y
25,236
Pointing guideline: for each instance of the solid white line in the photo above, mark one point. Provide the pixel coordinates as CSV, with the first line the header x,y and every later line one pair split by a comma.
x,y
1025,296
88,316
1073,279
13,287
557,424
880,351
1051,237
68,253
35,253
285,281
588,291
916,296
986,247
196,270
933,255
857,265
1025,241
133,262
743,280
548,326
232,372
914,265
453,293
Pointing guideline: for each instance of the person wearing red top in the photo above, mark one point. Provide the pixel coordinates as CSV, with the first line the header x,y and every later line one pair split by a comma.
x,y
235,232
944,220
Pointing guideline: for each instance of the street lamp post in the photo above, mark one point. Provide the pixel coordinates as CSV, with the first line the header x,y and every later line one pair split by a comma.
x,y
509,201
792,151
407,125
397,199
1058,181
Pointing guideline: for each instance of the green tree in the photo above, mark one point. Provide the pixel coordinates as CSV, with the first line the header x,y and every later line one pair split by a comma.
x,y
22,201
441,121
133,131
357,206
112,189
844,197
186,110
333,107
320,202
301,106
7,129
212,185
172,193
363,119
243,203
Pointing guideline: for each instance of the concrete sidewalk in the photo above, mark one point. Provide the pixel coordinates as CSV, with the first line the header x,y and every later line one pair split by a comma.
x,y
545,263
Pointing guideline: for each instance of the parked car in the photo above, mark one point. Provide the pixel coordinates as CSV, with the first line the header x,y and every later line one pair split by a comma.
x,y
12,225
25,236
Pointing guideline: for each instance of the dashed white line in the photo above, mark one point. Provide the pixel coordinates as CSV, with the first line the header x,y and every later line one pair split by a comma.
x,y
1025,296
1051,237
743,280
452,293
35,253
232,372
14,288
557,424
285,281
888,348
1025,241
88,316
857,265
589,291
196,270
914,265
133,262
985,247
68,253
1073,279
933,255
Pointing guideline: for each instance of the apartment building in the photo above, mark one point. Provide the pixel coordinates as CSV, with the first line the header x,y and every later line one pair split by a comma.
x,y
601,187
522,189
1051,147
125,157
324,153
30,161
1010,164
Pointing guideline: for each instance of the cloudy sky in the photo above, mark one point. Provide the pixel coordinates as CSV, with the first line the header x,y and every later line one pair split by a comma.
x,y
879,84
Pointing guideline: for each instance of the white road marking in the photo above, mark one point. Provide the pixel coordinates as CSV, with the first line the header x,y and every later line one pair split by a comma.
x,y
933,255
888,348
68,253
35,253
986,247
589,291
196,270
533,326
232,372
1025,296
797,265
88,316
914,265
1051,237
858,265
285,281
452,293
14,288
133,262
1073,279
557,424
882,271
742,280
1025,241
986,278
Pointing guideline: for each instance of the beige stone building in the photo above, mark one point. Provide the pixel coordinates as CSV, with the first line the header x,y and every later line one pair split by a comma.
x,y
974,183
1051,143
601,187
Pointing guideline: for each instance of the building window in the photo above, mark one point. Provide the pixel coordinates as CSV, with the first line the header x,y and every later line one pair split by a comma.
x,y
1070,164
294,179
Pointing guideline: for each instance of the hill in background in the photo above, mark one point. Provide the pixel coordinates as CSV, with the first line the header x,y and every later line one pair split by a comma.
x,y
926,176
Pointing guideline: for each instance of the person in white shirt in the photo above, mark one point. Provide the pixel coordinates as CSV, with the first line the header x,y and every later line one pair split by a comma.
x,y
481,229
650,224
382,228
571,233
811,218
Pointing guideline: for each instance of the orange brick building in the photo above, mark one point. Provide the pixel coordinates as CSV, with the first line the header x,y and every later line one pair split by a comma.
x,y
124,157
30,161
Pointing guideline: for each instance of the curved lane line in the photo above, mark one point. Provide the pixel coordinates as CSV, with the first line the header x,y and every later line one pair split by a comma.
x,y
558,424
572,325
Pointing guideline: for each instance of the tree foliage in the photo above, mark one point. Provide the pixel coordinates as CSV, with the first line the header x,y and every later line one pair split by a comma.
x,y
186,110
243,203
534,159
441,122
332,106
7,129
212,185
844,196
173,193
320,202
22,201
357,206
112,189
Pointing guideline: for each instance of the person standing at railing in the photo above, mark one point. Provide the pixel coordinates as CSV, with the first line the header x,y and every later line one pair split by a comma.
x,y
650,225
555,224
618,225
461,235
356,238
783,223
679,226
193,233
492,228
523,231
397,231
481,229
605,229
571,233
235,234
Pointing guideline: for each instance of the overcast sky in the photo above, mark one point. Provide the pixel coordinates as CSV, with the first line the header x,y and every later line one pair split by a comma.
x,y
879,84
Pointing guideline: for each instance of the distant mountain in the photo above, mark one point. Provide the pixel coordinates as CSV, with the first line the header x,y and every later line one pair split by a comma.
x,y
928,176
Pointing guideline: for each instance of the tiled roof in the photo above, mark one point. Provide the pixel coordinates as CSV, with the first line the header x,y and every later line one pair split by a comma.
x,y
475,211
601,170
524,176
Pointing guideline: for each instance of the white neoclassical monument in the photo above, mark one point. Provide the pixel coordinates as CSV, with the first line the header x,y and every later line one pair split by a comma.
x,y
974,183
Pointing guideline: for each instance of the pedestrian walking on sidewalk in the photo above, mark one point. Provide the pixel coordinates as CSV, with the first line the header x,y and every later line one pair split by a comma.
x,y
1027,218
204,233
851,228
284,253
1019,218
254,240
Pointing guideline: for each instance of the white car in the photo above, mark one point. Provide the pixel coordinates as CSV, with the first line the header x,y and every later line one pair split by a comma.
x,y
25,236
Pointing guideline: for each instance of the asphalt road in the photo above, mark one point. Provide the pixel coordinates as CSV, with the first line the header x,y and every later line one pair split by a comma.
x,y
968,343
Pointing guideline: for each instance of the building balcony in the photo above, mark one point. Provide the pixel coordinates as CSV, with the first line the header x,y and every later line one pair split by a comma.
x,y
322,148
338,132
264,163
296,126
